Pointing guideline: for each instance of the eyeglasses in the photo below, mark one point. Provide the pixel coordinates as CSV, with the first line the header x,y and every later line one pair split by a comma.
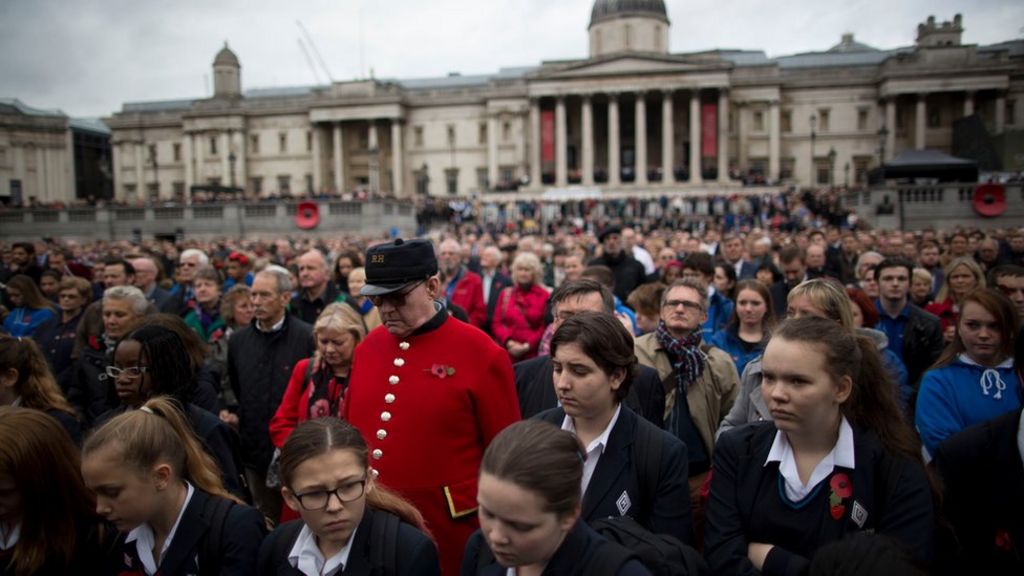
x,y
319,499
131,372
396,299
673,304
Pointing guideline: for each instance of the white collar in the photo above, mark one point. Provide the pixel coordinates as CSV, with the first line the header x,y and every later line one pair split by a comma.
x,y
9,537
305,555
841,455
602,440
275,327
144,538
1008,363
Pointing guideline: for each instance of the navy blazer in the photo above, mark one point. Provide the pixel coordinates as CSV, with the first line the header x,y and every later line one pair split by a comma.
x,y
665,512
892,491
416,554
242,533
500,281
570,559
535,387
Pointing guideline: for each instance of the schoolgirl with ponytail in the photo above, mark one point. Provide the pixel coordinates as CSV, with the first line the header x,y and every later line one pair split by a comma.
x,y
349,524
154,482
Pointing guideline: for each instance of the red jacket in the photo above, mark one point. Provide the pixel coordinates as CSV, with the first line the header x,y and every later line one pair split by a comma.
x,y
468,294
519,316
428,405
947,312
294,407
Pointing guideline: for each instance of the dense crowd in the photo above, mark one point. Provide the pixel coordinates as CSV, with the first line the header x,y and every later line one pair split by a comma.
x,y
757,385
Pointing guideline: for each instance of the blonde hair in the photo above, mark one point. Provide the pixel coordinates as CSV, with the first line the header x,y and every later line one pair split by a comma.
x,y
341,317
829,297
972,267
530,260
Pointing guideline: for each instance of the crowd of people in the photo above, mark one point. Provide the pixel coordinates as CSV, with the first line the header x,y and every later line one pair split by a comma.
x,y
620,395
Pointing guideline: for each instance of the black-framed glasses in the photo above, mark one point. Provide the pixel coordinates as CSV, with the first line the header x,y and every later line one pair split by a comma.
x,y
673,304
397,298
131,372
319,499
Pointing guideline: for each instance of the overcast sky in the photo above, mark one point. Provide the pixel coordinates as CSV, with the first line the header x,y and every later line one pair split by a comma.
x,y
88,57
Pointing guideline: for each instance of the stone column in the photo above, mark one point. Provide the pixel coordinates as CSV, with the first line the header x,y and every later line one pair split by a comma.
x,y
743,153
339,158
224,148
668,140
186,159
42,176
535,176
723,136
492,152
890,125
968,102
614,169
318,159
561,167
587,113
241,166
1000,113
397,169
140,182
774,138
920,119
640,136
695,164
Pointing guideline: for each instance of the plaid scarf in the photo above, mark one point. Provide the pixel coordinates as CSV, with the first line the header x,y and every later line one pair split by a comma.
x,y
684,354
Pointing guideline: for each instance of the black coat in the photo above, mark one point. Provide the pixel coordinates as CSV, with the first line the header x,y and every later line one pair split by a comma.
x,y
572,556
57,340
536,390
745,505
243,530
88,387
500,281
166,302
665,512
627,271
94,543
309,310
983,481
259,366
416,554
922,344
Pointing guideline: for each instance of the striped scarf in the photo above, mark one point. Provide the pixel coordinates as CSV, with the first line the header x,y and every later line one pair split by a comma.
x,y
684,354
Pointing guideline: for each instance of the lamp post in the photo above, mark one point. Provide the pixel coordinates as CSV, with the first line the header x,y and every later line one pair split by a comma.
x,y
814,123
883,135
832,167
846,175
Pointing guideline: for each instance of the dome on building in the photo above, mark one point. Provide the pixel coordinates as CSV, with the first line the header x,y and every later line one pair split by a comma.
x,y
847,44
226,58
605,10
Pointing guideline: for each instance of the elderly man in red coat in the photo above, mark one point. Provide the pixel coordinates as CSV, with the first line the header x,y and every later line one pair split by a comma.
x,y
462,287
428,393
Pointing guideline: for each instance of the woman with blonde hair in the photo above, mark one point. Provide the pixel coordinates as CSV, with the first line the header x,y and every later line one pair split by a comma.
x,y
962,275
519,313
368,313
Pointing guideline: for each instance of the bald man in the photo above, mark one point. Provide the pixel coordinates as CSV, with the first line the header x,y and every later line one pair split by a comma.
x,y
462,287
316,289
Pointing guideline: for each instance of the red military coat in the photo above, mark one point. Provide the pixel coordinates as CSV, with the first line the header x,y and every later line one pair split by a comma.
x,y
468,294
428,405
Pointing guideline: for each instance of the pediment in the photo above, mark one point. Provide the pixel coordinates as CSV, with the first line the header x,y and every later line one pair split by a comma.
x,y
628,65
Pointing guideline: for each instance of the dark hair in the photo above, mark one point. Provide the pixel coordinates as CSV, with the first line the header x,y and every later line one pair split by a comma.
x,y
170,368
894,263
129,270
730,274
209,273
768,321
790,254
312,438
580,288
694,285
230,300
539,457
159,433
31,297
604,339
49,272
998,306
36,385
701,262
1003,271
601,274
646,298
864,554
776,274
872,403
194,346
28,247
861,300
36,451
354,256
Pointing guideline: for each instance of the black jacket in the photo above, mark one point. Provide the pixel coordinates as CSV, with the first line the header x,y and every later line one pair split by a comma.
x,y
94,544
88,387
627,271
615,489
500,281
259,366
309,310
982,476
415,553
922,344
536,390
57,340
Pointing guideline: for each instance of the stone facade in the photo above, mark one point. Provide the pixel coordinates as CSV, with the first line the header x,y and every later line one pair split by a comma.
x,y
632,116
35,154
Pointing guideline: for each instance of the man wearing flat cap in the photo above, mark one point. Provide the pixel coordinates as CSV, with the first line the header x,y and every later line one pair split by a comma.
x,y
627,271
428,392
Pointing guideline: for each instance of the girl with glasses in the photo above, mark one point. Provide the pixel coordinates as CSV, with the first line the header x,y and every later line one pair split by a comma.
x,y
349,524
154,482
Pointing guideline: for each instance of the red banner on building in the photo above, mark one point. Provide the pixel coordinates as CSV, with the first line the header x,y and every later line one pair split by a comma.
x,y
547,136
709,130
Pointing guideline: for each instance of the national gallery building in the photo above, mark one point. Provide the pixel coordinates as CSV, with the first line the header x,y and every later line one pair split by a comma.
x,y
632,117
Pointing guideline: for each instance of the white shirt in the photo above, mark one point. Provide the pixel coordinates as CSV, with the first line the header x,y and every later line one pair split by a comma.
x,y
488,281
144,538
596,447
305,555
274,328
841,455
641,255
9,536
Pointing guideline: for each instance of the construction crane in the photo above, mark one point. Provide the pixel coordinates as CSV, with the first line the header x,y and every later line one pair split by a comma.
x,y
316,52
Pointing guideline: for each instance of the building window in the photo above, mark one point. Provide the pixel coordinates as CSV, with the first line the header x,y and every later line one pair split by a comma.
x,y
506,130
256,185
451,135
862,119
451,176
481,179
178,188
417,133
823,120
934,117
860,169
284,183
129,192
151,149
214,181
153,190
786,168
282,142
309,141
213,145
483,133
177,152
822,172
309,184
787,121
254,143
508,174
758,121
422,181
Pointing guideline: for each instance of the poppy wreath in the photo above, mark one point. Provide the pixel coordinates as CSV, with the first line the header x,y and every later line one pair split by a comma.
x,y
841,488
441,371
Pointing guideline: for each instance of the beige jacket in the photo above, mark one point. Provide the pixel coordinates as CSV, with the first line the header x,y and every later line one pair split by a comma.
x,y
710,398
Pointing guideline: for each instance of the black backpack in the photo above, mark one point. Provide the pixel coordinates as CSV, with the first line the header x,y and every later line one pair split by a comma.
x,y
383,536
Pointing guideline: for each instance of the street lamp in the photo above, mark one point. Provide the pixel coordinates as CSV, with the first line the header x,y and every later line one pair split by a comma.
x,y
883,135
814,124
832,167
846,175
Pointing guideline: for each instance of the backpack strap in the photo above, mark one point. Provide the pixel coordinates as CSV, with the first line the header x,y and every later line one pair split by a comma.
x,y
217,510
647,463
608,559
384,543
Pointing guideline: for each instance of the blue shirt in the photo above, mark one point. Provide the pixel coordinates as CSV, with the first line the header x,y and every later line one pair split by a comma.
x,y
893,327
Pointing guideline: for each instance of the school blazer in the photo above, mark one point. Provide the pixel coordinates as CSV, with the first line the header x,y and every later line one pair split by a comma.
x,y
242,533
416,554
616,490
536,390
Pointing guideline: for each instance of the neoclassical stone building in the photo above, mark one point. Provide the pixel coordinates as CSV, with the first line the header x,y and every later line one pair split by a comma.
x,y
633,116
